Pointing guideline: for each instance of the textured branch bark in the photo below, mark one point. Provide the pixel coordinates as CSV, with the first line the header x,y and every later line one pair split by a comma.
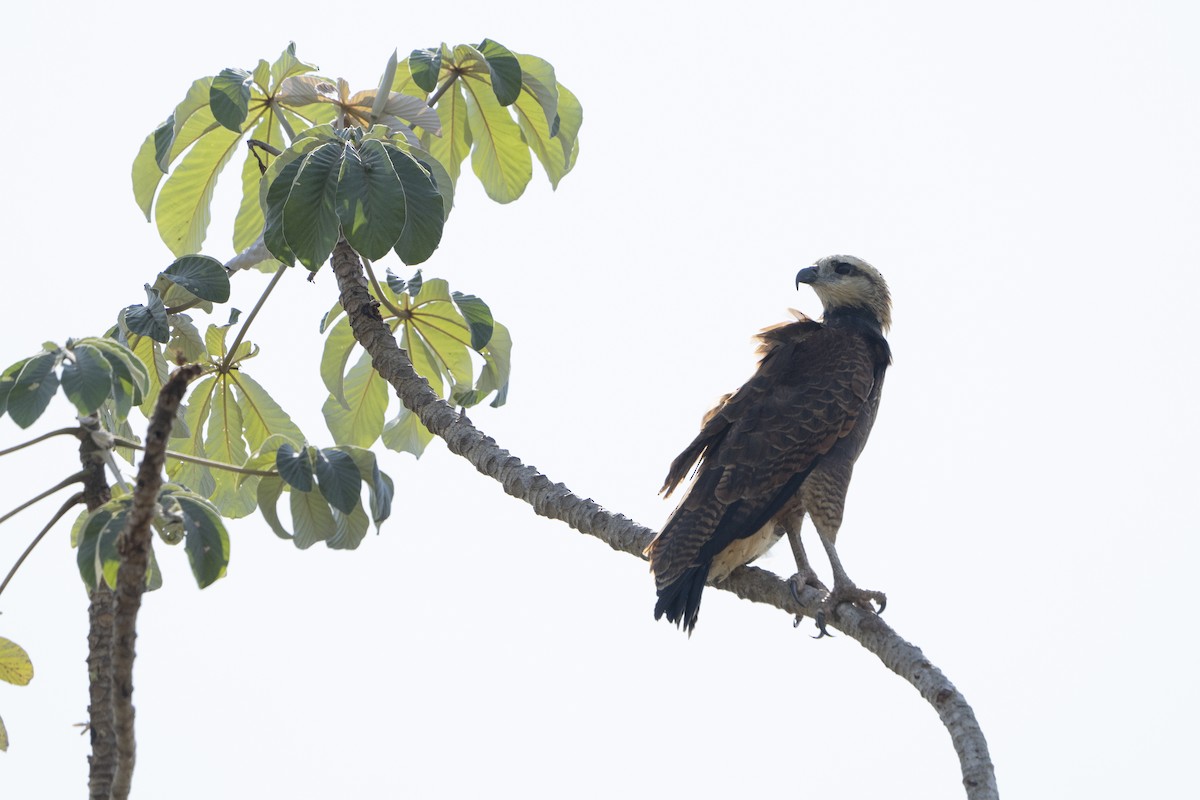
x,y
133,545
555,501
102,763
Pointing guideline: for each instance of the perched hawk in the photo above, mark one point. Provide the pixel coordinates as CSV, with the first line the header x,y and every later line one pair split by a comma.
x,y
781,446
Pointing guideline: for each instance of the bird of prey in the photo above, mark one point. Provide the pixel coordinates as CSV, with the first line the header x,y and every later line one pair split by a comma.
x,y
782,446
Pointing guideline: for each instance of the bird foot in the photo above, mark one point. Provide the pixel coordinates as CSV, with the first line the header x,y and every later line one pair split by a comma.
x,y
865,599
796,583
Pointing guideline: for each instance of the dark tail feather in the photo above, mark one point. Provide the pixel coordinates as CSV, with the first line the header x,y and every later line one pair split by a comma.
x,y
680,601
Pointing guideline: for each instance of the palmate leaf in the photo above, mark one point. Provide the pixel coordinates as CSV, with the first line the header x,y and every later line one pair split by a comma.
x,y
370,200
366,188
503,69
330,511
405,434
500,158
454,145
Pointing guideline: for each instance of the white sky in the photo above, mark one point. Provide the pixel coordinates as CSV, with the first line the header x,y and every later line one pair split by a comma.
x,y
1026,178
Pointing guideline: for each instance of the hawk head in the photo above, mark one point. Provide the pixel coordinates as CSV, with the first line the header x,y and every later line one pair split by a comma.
x,y
849,282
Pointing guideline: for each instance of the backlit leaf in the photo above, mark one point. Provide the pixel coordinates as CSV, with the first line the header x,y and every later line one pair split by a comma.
x,y
350,529
505,71
312,518
229,97
262,417
406,434
366,394
425,66
205,539
500,157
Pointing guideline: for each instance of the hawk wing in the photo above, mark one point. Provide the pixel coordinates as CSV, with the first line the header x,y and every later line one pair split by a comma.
x,y
756,448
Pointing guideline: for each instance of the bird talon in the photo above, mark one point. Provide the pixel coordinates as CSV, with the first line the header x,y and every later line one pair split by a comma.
x,y
820,618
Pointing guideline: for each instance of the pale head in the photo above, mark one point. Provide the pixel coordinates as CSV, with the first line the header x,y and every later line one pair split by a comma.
x,y
849,282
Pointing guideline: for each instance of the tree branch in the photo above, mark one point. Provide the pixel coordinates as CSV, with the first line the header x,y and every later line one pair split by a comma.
x,y
60,432
70,503
134,548
555,501
64,483
102,763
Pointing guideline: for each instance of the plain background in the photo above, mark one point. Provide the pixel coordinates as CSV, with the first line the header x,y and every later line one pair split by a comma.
x,y
1025,175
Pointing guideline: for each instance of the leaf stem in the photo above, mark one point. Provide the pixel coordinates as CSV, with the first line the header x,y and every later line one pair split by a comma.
x,y
261,473
64,483
237,341
72,501
441,90
379,290
60,432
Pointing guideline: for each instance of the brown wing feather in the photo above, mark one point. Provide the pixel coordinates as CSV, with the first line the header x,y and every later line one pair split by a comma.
x,y
757,446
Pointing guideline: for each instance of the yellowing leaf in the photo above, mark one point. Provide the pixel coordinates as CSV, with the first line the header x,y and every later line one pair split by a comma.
x,y
15,666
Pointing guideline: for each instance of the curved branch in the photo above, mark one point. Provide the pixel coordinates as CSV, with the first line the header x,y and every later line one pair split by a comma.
x,y
64,483
70,503
60,432
555,501
134,548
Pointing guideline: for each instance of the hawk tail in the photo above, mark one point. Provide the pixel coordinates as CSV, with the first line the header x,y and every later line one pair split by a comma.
x,y
679,600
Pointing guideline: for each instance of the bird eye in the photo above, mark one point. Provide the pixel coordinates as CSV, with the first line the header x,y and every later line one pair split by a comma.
x,y
842,268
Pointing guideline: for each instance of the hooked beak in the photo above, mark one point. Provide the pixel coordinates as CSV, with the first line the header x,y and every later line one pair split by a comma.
x,y
806,275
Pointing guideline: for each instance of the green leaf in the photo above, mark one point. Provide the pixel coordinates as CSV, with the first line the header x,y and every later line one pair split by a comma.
x,y
425,66
261,415
196,477
453,146
500,157
338,345
35,384
149,319
312,519
370,200
478,317
497,366
424,217
361,421
87,378
183,208
505,71
147,173
203,276
97,555
350,528
7,380
229,97
277,194
269,490
248,225
406,434
186,340
288,65
310,220
338,479
15,666
539,84
395,282
295,467
570,114
214,340
205,538
380,485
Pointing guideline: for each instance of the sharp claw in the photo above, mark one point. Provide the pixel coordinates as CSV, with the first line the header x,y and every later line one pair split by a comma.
x,y
821,626
882,604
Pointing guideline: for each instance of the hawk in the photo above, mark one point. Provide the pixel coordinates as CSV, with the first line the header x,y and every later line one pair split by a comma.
x,y
782,446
